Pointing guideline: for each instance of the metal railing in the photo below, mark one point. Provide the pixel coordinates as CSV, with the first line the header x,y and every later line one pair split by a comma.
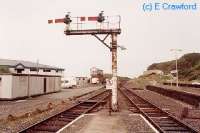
x,y
80,23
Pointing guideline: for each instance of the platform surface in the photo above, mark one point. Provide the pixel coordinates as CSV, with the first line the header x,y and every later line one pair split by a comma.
x,y
120,122
189,90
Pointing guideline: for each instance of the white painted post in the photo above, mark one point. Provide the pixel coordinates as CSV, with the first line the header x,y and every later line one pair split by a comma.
x,y
114,72
176,71
176,59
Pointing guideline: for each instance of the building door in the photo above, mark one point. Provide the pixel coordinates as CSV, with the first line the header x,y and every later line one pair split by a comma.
x,y
45,85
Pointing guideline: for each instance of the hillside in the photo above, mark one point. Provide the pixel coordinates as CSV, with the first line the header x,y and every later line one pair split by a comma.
x,y
188,65
109,76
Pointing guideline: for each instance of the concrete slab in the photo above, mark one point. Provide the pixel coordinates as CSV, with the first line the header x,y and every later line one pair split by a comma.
x,y
101,122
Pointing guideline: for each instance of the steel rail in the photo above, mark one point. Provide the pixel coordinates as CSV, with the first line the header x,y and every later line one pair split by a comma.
x,y
160,119
65,117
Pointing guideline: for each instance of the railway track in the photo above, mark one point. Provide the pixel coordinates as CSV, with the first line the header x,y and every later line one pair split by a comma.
x,y
58,121
160,119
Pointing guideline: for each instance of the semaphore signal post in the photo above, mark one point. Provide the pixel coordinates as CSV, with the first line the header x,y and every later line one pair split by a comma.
x,y
97,26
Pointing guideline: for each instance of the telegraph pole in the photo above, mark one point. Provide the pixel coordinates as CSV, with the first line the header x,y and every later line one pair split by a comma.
x,y
176,59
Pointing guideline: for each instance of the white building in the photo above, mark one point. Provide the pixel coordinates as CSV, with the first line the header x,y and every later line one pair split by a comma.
x,y
96,75
95,72
68,82
23,79
80,81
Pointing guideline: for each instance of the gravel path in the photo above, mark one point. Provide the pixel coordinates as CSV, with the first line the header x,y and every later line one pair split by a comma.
x,y
23,106
15,115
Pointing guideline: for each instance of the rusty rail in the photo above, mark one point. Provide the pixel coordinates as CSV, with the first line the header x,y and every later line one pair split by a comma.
x,y
58,121
160,119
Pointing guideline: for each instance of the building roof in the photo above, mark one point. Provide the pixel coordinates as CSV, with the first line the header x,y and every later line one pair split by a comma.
x,y
26,64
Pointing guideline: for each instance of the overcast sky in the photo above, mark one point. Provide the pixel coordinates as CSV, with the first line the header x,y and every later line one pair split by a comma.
x,y
148,37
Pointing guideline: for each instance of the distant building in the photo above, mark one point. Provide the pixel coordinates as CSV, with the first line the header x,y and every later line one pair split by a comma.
x,y
23,79
68,82
96,75
80,81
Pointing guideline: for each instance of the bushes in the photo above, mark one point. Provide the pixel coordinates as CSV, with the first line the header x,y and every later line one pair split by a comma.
x,y
188,65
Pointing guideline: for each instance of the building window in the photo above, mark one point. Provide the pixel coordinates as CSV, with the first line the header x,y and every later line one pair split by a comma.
x,y
46,70
33,69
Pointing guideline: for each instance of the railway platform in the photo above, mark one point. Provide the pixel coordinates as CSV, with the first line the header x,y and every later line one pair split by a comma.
x,y
191,90
118,122
185,94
